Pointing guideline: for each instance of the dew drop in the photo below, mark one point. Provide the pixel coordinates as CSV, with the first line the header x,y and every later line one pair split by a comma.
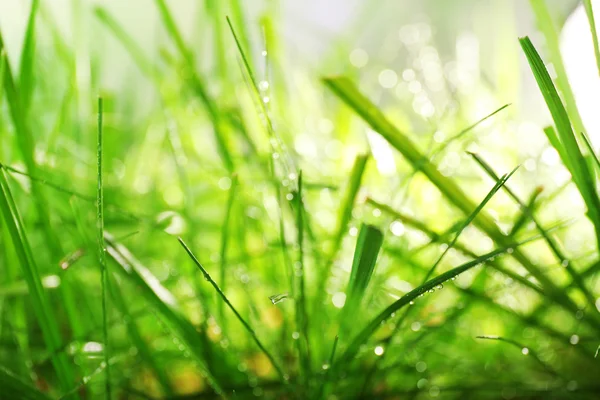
x,y
278,298
574,339
510,250
525,350
296,335
564,263
378,350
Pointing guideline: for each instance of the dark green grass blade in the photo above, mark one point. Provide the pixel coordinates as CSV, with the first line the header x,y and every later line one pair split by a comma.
x,y
102,250
591,20
366,251
26,76
14,388
233,309
348,92
41,304
570,149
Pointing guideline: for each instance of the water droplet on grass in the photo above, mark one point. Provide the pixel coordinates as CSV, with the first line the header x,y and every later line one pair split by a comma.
x,y
278,298
379,350
295,335
574,339
525,351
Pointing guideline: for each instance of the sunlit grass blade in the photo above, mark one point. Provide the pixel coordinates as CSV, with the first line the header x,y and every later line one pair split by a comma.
x,y
553,244
473,126
589,11
13,387
102,249
42,307
570,149
26,76
551,33
233,309
348,92
366,252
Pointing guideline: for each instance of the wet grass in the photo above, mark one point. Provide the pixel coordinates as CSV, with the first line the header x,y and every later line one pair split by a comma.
x,y
308,270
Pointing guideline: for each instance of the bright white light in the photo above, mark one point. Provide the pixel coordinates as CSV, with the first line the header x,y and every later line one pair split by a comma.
x,y
378,350
382,152
580,63
339,299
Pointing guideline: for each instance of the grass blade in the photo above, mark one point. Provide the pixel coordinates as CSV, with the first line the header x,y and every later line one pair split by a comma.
x,y
26,76
348,92
102,250
225,234
41,304
232,308
366,251
589,11
569,149
548,28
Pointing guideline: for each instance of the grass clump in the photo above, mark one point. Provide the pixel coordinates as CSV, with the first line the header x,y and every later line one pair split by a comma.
x,y
370,258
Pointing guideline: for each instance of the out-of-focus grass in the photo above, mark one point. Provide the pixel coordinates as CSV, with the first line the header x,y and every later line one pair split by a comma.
x,y
345,237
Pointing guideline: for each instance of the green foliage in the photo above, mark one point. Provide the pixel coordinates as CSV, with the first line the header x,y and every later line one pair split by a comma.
x,y
336,246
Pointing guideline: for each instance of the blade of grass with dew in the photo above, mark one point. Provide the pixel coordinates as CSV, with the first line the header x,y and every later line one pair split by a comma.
x,y
548,28
461,227
570,149
368,245
225,235
104,281
26,75
437,238
375,324
14,388
40,303
348,93
161,300
589,11
233,309
554,246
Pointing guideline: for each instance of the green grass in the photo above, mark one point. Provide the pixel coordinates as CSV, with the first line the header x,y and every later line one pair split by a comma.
x,y
339,243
